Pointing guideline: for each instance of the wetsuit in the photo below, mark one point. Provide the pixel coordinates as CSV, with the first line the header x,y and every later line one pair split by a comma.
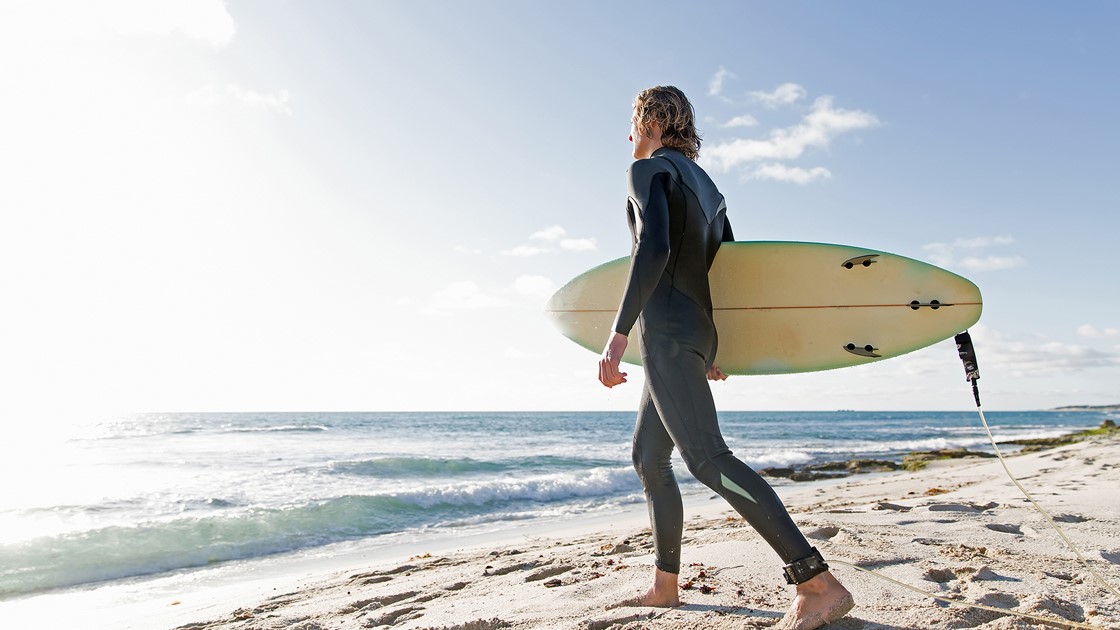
x,y
678,219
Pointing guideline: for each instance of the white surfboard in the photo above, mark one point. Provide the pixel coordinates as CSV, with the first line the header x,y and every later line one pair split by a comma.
x,y
785,307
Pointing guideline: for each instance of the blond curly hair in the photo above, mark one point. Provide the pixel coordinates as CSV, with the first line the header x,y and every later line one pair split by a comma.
x,y
669,107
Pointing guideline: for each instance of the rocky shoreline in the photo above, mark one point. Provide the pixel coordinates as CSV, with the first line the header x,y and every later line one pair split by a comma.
x,y
919,459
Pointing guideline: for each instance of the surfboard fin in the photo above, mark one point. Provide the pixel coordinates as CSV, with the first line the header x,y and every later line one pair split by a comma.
x,y
863,351
861,261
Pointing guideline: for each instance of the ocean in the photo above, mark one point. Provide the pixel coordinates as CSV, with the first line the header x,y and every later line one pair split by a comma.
x,y
146,495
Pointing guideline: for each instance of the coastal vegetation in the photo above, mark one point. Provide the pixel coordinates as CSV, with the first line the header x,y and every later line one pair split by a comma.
x,y
918,460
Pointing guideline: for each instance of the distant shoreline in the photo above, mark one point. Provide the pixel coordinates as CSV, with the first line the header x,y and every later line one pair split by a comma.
x,y
917,460
1108,408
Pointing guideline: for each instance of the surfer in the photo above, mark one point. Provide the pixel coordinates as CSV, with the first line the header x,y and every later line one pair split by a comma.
x,y
678,219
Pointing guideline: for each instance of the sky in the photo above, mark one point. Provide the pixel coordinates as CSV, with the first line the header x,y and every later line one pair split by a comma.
x,y
363,206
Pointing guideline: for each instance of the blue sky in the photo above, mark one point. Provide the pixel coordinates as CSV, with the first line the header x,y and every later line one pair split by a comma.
x,y
363,205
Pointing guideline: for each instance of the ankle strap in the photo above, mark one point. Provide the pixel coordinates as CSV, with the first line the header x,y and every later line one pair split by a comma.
x,y
805,569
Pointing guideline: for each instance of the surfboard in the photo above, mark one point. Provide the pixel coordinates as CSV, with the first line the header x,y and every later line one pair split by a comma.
x,y
786,307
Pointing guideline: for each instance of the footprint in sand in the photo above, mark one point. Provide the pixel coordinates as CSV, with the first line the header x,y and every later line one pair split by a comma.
x,y
549,572
377,602
1070,518
952,507
941,576
999,600
892,506
392,618
1111,556
823,533
1005,528
983,574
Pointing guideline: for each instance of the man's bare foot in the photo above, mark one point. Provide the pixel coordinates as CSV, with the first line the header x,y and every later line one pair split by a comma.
x,y
818,602
663,593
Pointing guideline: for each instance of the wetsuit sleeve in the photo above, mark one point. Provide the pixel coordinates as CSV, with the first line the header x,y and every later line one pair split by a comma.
x,y
649,203
728,235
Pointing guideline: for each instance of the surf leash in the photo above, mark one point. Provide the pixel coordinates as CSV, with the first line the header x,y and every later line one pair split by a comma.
x,y
967,353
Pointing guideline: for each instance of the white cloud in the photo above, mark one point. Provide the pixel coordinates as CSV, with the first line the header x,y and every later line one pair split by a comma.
x,y
1038,357
534,286
784,94
782,173
816,130
945,254
552,233
204,20
746,120
1092,332
525,251
715,86
992,263
209,96
579,244
464,295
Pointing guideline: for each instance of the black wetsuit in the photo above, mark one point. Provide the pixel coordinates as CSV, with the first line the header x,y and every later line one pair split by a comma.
x,y
678,219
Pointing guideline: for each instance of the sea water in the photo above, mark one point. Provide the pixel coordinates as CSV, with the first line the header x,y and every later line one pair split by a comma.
x,y
150,494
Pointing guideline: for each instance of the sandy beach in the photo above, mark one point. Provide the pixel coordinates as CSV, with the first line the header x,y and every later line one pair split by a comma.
x,y
957,529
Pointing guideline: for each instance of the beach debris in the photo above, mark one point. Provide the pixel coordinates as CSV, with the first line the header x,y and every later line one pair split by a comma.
x,y
175,603
697,582
553,583
936,491
420,557
478,624
609,549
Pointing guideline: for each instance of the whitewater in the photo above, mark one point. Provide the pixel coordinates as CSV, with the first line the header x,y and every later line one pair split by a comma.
x,y
140,496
